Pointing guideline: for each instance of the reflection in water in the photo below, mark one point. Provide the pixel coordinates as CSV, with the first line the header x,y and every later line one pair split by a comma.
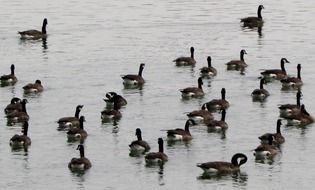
x,y
44,44
239,178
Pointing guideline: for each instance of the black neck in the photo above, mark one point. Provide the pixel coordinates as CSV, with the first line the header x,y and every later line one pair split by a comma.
x,y
140,71
209,61
23,106
139,137
115,102
261,86
223,94
187,125
81,123
236,157
192,54
25,129
161,148
299,72
242,56
12,70
282,66
259,12
82,152
200,83
298,99
77,112
278,127
44,28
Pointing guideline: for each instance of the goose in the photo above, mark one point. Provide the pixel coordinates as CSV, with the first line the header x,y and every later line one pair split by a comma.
x,y
183,61
71,121
112,114
181,134
193,91
302,119
266,150
157,157
261,93
21,140
134,79
293,81
110,99
218,104
201,116
224,167
33,87
14,106
237,64
35,34
276,73
208,71
277,137
81,163
9,79
254,21
139,145
221,124
291,109
79,133
20,116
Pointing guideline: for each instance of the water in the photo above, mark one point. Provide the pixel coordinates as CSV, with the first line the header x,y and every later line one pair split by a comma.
x,y
90,44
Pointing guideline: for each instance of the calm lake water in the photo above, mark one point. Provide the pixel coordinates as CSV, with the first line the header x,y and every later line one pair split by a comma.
x,y
92,43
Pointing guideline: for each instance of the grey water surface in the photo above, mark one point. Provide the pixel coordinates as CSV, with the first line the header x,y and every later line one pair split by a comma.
x,y
92,43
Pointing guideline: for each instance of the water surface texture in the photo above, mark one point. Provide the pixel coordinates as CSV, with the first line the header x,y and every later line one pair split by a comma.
x,y
92,43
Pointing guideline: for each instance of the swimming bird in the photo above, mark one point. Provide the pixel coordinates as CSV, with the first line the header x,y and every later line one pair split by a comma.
x,y
261,93
157,157
224,167
9,79
14,106
208,71
277,74
277,137
181,134
139,145
110,99
132,79
78,132
35,34
21,140
291,109
237,64
219,124
201,116
71,121
113,113
218,104
266,150
193,91
254,21
301,119
293,81
20,116
81,163
183,61
33,87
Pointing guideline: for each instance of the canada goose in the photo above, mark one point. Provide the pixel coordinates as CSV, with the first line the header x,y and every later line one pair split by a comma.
x,y
21,140
79,133
139,145
20,116
218,104
302,119
183,61
254,21
71,121
266,150
208,71
33,87
293,81
237,64
14,106
291,109
157,157
81,163
219,124
134,79
201,116
261,93
35,34
180,134
276,73
278,138
224,167
9,79
193,91
110,99
112,114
